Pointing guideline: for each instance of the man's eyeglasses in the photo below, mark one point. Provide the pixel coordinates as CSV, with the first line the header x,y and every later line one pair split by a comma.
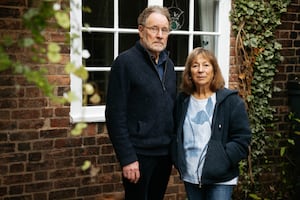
x,y
155,30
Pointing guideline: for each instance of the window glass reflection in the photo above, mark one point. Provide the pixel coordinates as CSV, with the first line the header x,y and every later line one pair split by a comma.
x,y
127,41
129,12
179,11
100,47
102,14
205,15
178,47
99,81
205,41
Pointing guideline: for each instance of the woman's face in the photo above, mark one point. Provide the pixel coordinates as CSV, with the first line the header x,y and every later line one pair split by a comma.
x,y
202,72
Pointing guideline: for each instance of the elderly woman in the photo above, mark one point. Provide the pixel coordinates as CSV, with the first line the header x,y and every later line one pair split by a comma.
x,y
212,130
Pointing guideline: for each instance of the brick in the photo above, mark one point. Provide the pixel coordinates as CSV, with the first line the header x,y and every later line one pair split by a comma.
x,y
33,157
87,151
42,145
59,80
47,112
32,103
63,173
40,196
8,92
16,189
23,136
62,112
85,191
62,194
26,114
3,191
7,147
8,125
6,80
59,122
32,92
24,146
3,169
89,141
59,153
17,179
4,114
62,90
13,157
62,163
41,176
67,183
15,168
53,133
10,24
8,103
296,43
31,124
46,165
68,142
9,12
38,187
107,149
13,3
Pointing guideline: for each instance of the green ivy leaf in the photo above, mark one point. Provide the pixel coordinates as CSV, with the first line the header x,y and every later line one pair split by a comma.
x,y
77,130
62,19
282,151
86,165
53,53
81,72
70,96
70,67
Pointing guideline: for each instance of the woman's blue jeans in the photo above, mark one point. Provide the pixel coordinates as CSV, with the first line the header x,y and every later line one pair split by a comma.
x,y
208,192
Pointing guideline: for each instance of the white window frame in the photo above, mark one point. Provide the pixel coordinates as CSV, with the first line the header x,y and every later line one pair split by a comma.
x,y
79,113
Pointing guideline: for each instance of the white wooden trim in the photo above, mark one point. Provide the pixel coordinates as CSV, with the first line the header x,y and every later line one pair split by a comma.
x,y
80,113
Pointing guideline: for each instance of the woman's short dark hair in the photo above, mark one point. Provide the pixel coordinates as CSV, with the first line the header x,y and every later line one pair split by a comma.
x,y
187,84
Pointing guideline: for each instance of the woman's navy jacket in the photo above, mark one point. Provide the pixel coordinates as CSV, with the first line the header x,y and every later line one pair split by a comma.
x,y
229,141
139,108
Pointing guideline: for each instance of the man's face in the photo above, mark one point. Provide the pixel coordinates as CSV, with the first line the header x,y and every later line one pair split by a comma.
x,y
154,34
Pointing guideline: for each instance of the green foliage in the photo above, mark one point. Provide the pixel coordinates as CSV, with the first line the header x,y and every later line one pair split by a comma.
x,y
45,15
254,23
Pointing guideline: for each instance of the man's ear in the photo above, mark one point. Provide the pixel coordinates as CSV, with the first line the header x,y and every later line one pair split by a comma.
x,y
141,29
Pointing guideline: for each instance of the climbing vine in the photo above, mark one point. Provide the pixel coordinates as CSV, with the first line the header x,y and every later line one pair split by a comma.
x,y
41,16
254,23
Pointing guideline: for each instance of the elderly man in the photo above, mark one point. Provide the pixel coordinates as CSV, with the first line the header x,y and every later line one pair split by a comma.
x,y
139,110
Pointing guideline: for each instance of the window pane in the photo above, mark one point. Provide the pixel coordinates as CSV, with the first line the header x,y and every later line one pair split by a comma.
x,y
205,41
100,46
99,80
179,11
178,47
129,12
102,14
205,15
127,41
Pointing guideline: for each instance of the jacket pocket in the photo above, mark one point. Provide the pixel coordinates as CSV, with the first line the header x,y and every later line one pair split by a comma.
x,y
217,164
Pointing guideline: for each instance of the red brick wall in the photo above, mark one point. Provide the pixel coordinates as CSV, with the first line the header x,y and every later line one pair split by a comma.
x,y
38,157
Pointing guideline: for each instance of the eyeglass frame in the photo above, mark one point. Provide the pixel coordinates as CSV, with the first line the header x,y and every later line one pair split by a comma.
x,y
155,30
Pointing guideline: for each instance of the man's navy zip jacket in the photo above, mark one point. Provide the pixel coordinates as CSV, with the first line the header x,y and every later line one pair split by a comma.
x,y
229,140
139,108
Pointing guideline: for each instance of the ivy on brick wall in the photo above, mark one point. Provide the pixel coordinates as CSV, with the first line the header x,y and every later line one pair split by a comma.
x,y
254,24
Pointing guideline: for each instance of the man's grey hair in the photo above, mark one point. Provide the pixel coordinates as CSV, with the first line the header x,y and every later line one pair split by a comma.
x,y
153,9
